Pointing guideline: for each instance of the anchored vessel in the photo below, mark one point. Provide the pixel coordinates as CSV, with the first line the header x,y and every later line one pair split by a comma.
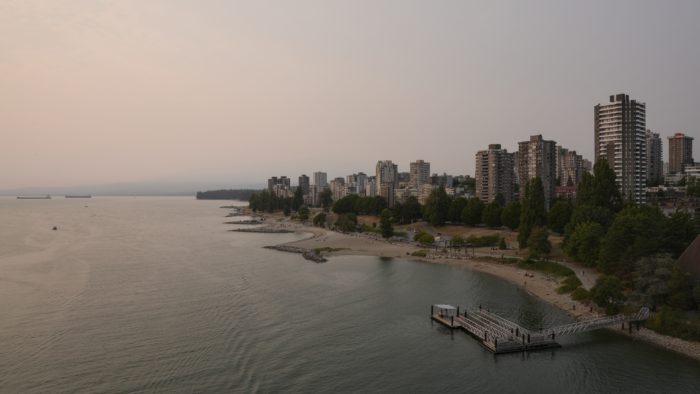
x,y
79,196
500,335
46,197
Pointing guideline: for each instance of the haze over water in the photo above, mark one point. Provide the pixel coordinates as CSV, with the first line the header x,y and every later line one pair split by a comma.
x,y
154,295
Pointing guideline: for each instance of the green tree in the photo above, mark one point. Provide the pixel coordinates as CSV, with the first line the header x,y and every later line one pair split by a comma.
x,y
634,233
346,204
326,198
411,210
385,224
533,211
303,212
510,216
584,243
659,281
457,241
500,200
454,213
436,207
559,215
590,213
599,189
491,215
298,199
502,244
471,214
607,293
678,232
538,244
320,219
424,238
692,187
346,222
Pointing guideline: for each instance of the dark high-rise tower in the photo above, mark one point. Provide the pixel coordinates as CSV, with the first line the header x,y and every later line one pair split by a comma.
x,y
680,152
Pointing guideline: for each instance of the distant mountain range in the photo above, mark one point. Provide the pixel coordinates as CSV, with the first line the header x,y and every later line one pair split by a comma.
x,y
156,188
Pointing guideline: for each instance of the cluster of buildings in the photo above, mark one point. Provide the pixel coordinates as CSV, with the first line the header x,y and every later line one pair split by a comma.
x,y
387,182
620,136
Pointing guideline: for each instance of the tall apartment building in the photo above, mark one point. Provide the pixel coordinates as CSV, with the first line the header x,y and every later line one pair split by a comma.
x,y
321,179
655,165
276,183
386,180
388,191
443,180
569,166
371,187
420,173
387,172
304,183
338,188
620,138
680,152
494,174
537,158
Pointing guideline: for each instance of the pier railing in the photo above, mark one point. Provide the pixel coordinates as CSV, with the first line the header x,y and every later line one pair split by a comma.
x,y
502,335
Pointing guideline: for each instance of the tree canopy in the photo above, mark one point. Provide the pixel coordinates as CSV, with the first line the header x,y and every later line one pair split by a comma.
x,y
436,207
533,212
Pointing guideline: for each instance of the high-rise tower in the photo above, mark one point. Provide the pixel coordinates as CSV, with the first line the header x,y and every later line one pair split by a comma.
x,y
494,174
537,158
680,152
620,138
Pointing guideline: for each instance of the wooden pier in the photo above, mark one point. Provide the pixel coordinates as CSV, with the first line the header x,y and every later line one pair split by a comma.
x,y
500,335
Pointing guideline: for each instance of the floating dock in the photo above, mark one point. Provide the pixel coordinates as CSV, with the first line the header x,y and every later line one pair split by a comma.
x,y
500,335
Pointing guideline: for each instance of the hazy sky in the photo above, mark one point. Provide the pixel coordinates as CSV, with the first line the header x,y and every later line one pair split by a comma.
x,y
115,91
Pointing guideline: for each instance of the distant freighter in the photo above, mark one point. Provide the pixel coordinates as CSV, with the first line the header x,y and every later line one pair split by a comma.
x,y
79,196
46,197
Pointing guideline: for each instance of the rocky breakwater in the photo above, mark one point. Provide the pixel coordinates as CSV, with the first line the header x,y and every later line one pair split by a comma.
x,y
253,221
308,254
265,230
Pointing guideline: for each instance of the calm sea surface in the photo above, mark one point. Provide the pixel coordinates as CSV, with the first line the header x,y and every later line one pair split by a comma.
x,y
154,295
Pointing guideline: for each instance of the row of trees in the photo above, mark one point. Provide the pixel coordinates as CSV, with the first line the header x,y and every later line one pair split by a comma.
x,y
440,209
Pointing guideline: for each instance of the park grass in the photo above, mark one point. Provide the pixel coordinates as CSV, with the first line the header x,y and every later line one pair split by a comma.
x,y
546,267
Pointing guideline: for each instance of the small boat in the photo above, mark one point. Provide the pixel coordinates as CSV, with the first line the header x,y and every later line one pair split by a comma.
x,y
78,196
46,197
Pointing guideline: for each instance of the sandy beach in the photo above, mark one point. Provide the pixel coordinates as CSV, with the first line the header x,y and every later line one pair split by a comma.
x,y
540,285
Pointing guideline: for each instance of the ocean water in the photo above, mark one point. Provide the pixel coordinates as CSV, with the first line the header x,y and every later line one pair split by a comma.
x,y
155,295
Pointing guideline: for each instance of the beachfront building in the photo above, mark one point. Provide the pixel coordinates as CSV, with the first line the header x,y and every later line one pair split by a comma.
x,y
338,188
388,192
420,173
424,191
537,158
494,174
569,166
371,187
304,184
443,180
620,138
321,179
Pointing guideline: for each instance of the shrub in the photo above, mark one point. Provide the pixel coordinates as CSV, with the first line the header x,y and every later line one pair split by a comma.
x,y
424,238
581,295
570,284
420,253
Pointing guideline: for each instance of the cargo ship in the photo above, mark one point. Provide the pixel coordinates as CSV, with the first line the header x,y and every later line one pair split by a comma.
x,y
79,196
46,197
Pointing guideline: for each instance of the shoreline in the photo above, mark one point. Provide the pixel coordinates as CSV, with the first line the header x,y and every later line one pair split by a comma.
x,y
537,284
